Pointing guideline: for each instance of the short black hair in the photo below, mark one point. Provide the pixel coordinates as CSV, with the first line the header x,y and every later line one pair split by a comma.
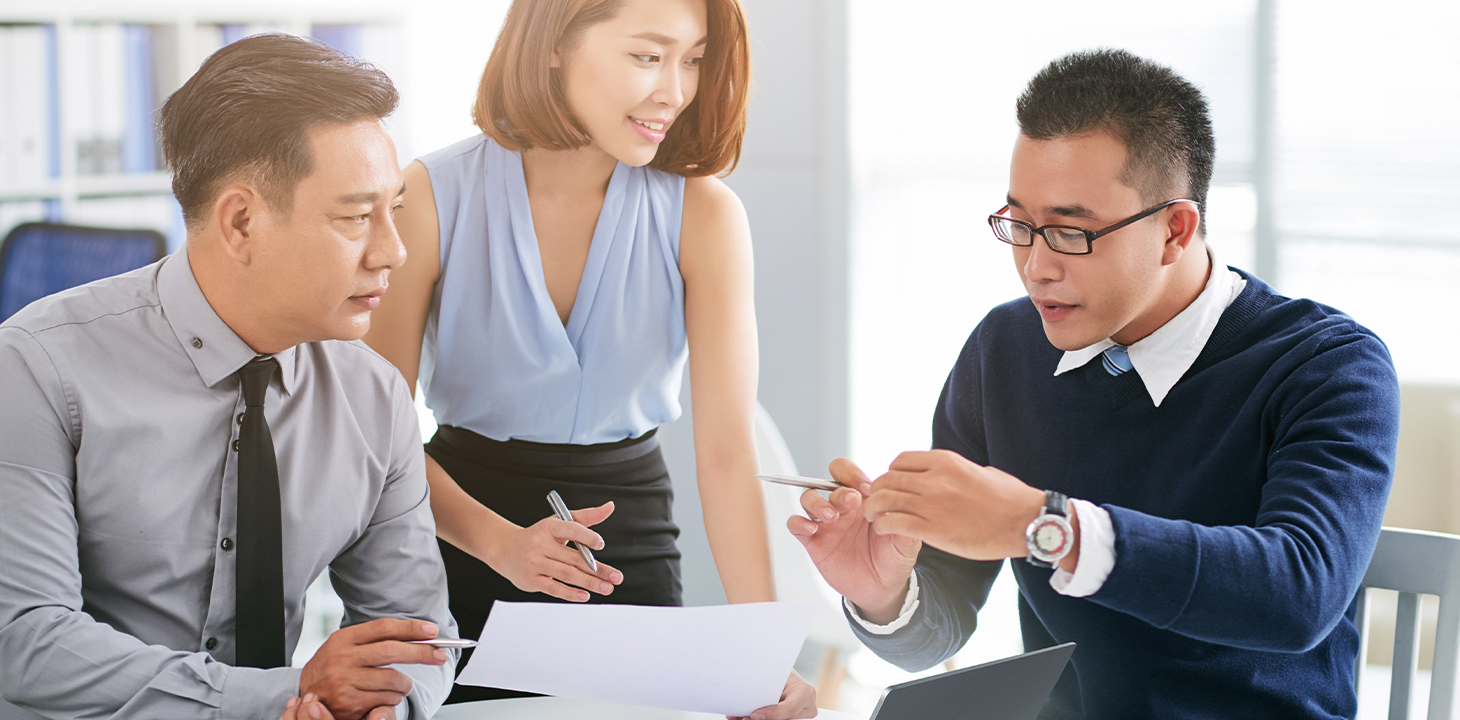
x,y
246,112
1161,118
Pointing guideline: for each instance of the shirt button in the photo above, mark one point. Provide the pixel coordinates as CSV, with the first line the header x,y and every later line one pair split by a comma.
x,y
236,443
227,543
197,343
212,644
240,418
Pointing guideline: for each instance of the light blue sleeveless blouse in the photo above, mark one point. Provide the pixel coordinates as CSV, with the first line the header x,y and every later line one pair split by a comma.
x,y
496,359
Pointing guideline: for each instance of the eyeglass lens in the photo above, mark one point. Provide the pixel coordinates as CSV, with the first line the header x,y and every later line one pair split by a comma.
x,y
1065,240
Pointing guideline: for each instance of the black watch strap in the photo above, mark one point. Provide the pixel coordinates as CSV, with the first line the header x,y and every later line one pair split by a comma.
x,y
1054,502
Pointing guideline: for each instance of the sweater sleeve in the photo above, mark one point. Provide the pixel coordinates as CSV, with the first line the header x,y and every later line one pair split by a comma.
x,y
1330,431
951,589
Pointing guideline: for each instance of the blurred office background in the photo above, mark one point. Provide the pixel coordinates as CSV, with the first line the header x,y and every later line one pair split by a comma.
x,y
879,140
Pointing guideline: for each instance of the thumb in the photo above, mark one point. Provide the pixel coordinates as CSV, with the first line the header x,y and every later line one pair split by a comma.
x,y
314,710
907,547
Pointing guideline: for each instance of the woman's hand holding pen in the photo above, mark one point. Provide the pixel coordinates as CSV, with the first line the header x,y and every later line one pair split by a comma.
x,y
537,558
869,569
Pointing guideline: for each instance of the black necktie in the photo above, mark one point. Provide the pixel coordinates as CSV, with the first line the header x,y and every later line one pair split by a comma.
x,y
260,545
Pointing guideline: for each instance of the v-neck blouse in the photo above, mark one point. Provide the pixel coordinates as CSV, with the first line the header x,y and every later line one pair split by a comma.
x,y
497,360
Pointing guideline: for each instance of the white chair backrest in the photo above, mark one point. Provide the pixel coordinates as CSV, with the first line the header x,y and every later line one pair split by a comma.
x,y
1414,563
796,577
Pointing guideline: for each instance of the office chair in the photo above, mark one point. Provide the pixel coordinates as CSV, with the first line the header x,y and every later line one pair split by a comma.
x,y
40,259
1416,563
796,578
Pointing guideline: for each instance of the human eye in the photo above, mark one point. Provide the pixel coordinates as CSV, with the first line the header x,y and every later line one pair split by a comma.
x,y
353,220
1072,239
695,62
647,58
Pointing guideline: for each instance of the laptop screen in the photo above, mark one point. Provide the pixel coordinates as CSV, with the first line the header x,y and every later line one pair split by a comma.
x,y
1014,688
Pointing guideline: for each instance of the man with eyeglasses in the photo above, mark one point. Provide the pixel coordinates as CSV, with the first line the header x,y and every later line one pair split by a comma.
x,y
1191,468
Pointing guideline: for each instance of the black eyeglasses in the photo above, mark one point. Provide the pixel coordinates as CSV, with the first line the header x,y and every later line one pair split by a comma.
x,y
1063,239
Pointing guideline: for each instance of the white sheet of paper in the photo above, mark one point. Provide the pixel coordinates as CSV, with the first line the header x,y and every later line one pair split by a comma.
x,y
723,659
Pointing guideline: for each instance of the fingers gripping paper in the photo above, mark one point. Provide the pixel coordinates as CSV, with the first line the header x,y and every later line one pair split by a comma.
x,y
724,659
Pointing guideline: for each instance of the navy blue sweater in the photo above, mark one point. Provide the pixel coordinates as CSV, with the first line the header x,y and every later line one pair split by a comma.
x,y
1246,508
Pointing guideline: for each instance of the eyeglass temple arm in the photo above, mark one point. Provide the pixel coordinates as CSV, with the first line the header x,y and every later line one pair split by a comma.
x,y
1138,217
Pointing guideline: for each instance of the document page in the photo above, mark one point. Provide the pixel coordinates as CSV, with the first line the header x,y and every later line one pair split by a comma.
x,y
723,659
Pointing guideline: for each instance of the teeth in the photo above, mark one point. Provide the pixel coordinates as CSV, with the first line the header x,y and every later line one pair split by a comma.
x,y
651,125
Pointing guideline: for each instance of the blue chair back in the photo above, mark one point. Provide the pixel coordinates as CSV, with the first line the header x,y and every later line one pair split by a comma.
x,y
40,259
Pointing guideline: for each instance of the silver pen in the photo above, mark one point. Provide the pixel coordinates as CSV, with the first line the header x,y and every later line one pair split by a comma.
x,y
561,509
802,482
445,642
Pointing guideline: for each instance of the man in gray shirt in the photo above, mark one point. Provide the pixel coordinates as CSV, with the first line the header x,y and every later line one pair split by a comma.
x,y
125,434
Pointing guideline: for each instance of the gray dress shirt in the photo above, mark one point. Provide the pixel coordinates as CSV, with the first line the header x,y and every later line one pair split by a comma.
x,y
118,506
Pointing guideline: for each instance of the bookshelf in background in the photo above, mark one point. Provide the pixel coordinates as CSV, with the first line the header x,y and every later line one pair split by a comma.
x,y
80,86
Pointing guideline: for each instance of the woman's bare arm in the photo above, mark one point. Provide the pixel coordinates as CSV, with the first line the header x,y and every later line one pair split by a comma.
x,y
716,262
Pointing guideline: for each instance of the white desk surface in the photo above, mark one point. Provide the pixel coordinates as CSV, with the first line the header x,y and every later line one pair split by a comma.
x,y
557,708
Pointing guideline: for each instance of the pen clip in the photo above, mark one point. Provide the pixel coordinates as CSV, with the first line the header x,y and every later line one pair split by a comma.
x,y
560,509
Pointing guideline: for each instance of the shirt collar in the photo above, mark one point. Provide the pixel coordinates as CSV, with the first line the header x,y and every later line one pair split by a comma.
x,y
215,350
1163,357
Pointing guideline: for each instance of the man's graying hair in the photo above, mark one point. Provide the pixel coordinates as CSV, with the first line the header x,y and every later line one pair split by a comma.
x,y
245,113
1161,118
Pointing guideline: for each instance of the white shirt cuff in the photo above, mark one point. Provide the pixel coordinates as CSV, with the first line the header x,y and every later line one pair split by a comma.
x,y
1097,552
904,616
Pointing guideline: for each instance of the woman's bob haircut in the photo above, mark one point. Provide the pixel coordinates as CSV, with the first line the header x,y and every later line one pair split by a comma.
x,y
520,101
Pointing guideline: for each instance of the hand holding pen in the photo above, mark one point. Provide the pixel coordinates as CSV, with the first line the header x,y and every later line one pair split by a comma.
x,y
537,558
870,569
560,509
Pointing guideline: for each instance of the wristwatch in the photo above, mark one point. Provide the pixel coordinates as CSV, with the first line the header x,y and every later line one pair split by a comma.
x,y
1050,536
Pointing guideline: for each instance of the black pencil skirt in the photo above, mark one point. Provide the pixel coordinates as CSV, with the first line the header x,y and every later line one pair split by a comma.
x,y
513,478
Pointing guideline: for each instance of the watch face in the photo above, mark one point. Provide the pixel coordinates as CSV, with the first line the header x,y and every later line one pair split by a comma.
x,y
1051,537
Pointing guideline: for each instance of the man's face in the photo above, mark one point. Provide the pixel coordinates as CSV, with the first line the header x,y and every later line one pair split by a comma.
x,y
1113,291
321,268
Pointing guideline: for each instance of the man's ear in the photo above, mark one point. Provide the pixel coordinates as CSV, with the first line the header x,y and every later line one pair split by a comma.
x,y
237,214
1182,225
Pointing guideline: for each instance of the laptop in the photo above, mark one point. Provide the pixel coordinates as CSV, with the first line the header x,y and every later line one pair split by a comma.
x,y
1014,688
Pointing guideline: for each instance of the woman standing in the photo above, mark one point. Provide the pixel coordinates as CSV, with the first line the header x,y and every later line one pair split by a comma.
x,y
565,264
